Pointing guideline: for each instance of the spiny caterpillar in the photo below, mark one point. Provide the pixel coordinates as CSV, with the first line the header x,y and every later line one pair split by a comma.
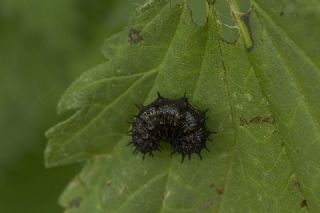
x,y
175,121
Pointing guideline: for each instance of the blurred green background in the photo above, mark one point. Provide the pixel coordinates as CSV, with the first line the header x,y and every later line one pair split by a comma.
x,y
44,46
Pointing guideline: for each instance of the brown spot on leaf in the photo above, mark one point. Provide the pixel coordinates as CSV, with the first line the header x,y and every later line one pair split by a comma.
x,y
212,2
296,184
220,191
75,203
243,121
134,36
260,120
257,120
268,120
304,204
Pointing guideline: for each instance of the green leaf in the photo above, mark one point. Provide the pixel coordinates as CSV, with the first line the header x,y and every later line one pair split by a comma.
x,y
261,92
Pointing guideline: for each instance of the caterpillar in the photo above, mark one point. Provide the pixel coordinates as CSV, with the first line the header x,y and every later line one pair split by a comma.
x,y
174,121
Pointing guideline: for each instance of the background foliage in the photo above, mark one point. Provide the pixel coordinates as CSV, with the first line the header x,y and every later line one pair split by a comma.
x,y
44,46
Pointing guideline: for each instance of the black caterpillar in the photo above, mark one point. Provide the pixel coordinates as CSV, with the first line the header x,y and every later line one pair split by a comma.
x,y
174,120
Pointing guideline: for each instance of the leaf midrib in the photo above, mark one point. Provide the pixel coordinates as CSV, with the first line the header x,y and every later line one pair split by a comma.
x,y
231,112
205,52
